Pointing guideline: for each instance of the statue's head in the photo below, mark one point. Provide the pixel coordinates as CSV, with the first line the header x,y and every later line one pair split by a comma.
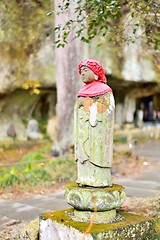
x,y
91,70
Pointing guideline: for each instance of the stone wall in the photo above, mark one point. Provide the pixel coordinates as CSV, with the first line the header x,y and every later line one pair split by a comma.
x,y
20,106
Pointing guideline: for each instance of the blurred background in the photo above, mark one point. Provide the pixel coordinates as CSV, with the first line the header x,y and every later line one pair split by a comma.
x,y
39,81
28,80
39,78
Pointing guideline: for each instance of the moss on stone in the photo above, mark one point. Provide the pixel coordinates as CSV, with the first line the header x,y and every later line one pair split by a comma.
x,y
115,187
131,225
86,198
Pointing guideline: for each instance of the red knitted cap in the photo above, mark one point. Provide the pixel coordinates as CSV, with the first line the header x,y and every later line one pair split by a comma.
x,y
95,66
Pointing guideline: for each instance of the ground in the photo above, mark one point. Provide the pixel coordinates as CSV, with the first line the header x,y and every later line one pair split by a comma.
x,y
11,154
124,158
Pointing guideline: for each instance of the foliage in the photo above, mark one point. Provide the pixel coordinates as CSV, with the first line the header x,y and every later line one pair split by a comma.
x,y
64,169
34,85
22,23
33,157
157,226
120,139
110,18
42,124
10,179
36,171
35,175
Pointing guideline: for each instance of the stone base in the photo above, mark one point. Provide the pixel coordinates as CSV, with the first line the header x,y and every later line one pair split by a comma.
x,y
99,217
59,225
94,199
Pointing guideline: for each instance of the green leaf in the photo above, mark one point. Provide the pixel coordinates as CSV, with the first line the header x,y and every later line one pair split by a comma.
x,y
104,15
156,46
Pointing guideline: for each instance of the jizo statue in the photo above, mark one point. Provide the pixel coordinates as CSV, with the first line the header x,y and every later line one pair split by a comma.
x,y
94,123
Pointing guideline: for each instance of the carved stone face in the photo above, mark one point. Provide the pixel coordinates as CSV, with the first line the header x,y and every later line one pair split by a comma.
x,y
88,75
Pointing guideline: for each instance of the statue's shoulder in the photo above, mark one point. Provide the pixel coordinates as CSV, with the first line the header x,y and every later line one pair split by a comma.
x,y
104,98
102,102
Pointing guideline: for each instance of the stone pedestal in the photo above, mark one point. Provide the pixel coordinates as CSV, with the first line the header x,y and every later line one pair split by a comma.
x,y
94,216
60,225
103,201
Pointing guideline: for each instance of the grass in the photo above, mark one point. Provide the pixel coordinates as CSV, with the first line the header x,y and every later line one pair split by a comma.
x,y
37,169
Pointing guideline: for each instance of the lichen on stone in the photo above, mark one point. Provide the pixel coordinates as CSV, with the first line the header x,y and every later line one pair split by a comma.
x,y
132,226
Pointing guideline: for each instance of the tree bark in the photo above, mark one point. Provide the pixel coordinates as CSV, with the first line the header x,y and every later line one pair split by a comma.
x,y
67,79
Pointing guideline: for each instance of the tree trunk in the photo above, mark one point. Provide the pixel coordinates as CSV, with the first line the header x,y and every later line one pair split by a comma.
x,y
68,82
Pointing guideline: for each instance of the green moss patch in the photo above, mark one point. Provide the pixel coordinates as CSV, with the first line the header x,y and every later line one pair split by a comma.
x,y
131,225
115,187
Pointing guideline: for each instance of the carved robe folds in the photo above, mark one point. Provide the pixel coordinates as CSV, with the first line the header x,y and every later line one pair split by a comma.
x,y
94,123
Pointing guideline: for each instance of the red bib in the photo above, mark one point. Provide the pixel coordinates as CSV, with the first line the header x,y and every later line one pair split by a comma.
x,y
93,89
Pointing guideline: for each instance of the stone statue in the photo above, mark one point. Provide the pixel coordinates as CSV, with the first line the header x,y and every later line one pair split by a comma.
x,y
33,130
94,198
94,123
11,132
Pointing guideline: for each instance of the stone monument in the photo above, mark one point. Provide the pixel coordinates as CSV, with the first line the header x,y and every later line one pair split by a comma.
x,y
94,198
94,124
33,130
94,121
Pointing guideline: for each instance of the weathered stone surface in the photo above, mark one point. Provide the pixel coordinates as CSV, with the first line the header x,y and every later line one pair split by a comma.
x,y
50,230
58,225
15,108
18,107
88,198
94,122
99,217
30,231
88,173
